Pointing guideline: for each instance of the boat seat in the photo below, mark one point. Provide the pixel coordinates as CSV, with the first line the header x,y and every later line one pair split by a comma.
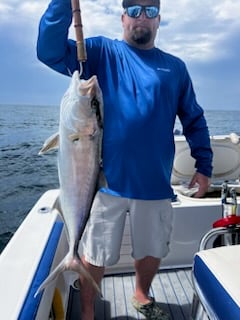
x,y
217,283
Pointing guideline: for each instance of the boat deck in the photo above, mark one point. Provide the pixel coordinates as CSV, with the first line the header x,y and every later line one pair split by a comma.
x,y
172,288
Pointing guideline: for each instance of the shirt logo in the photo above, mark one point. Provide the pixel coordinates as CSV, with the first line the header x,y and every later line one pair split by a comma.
x,y
163,69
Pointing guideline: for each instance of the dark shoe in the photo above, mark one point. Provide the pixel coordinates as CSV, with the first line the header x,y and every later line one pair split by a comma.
x,y
151,310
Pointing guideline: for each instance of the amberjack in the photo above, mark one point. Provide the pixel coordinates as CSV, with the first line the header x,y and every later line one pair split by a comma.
x,y
79,155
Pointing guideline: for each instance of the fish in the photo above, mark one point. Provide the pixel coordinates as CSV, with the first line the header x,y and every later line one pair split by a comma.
x,y
79,142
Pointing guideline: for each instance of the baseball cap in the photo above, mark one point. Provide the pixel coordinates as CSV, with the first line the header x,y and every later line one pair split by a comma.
x,y
128,3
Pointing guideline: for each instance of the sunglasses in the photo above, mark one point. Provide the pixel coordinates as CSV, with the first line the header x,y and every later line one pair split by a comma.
x,y
151,12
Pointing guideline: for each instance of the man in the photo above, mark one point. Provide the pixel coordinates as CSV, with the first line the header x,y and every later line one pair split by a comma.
x,y
144,89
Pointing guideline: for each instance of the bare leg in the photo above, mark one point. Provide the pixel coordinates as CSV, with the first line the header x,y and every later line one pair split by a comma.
x,y
87,292
146,269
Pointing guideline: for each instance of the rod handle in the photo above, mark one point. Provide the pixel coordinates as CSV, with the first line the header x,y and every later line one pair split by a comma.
x,y
81,49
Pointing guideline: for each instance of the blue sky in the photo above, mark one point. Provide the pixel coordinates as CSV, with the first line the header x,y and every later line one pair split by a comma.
x,y
205,34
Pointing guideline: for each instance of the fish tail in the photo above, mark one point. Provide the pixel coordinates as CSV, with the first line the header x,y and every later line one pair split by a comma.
x,y
71,263
52,276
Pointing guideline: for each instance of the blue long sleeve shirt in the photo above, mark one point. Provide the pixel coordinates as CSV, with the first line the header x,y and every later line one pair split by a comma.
x,y
143,91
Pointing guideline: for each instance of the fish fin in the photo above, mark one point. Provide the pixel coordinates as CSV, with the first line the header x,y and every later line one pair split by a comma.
x,y
53,275
57,206
71,263
51,143
75,137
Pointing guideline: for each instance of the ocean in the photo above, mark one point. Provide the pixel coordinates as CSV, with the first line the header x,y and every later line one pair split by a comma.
x,y
25,176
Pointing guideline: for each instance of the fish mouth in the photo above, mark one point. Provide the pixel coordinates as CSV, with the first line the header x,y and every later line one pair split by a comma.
x,y
95,105
88,87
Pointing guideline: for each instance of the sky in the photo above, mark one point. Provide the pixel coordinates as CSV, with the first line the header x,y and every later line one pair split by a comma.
x,y
205,34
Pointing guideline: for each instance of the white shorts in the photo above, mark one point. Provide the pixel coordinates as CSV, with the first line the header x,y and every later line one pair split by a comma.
x,y
150,225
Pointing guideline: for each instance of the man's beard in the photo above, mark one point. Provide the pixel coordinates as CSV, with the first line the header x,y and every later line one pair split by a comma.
x,y
141,36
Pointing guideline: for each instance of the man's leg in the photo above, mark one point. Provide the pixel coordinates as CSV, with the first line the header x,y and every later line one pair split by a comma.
x,y
101,243
151,226
146,269
87,292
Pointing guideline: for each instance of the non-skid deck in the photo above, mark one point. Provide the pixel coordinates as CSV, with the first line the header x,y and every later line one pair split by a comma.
x,y
173,289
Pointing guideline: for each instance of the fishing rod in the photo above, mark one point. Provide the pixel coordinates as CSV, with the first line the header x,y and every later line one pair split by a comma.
x,y
77,19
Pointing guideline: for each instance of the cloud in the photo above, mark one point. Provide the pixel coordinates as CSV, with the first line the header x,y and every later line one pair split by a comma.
x,y
196,29
227,10
205,34
190,28
23,10
101,18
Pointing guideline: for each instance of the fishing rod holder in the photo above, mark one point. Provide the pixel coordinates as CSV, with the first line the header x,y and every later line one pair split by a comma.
x,y
229,225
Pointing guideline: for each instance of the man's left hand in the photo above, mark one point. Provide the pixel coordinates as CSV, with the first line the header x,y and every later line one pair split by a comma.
x,y
203,183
